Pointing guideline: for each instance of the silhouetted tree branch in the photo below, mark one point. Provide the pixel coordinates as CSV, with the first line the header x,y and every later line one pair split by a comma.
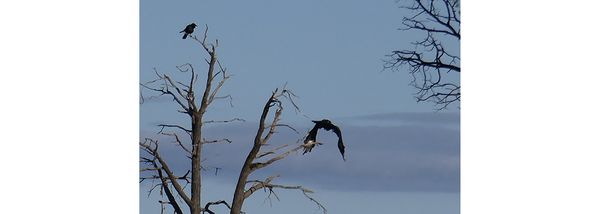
x,y
177,139
151,147
434,68
207,206
167,191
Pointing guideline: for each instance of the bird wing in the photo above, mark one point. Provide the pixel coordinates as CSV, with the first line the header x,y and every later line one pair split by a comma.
x,y
312,134
341,146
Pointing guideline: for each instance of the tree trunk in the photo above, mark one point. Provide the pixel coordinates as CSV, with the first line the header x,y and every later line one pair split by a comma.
x,y
196,158
238,195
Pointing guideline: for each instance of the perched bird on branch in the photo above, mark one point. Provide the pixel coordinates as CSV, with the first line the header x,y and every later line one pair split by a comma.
x,y
188,30
311,140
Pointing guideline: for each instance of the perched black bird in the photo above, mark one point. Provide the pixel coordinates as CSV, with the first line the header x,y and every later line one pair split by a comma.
x,y
188,30
311,140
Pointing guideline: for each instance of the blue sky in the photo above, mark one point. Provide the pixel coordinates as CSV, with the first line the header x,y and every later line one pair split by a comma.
x,y
330,54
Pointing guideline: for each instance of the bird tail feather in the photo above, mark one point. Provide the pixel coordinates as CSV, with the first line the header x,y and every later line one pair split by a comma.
x,y
184,35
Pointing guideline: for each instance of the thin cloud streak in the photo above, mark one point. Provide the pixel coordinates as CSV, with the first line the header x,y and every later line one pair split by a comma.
x,y
413,157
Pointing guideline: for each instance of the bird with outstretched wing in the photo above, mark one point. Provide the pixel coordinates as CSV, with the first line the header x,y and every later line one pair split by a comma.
x,y
311,139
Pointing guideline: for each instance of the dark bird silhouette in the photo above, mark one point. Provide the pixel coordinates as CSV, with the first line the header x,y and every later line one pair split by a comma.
x,y
311,140
188,30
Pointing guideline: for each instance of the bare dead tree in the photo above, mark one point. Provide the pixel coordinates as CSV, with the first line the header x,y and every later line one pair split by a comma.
x,y
183,94
173,185
255,159
434,68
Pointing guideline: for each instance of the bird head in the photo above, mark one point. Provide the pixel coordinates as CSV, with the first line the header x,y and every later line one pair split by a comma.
x,y
193,24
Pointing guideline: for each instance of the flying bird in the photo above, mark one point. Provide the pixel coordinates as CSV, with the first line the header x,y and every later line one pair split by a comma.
x,y
188,30
311,140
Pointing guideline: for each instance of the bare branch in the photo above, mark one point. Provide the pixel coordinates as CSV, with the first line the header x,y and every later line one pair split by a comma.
x,y
224,140
315,201
152,189
260,155
256,166
224,121
173,126
418,25
430,64
228,97
259,185
433,13
172,84
290,96
148,169
218,88
207,206
206,100
141,98
166,189
266,184
287,126
154,152
221,71
178,142
165,89
273,125
190,88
